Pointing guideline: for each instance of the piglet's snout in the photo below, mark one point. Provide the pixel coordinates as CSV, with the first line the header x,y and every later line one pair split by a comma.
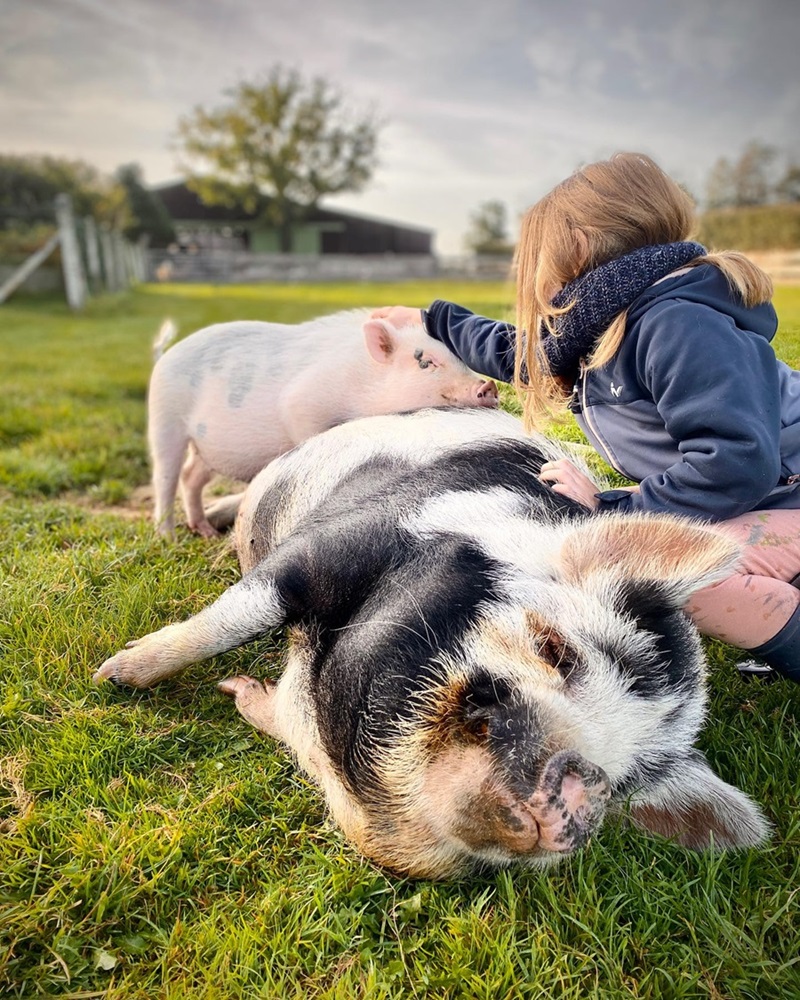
x,y
570,801
486,393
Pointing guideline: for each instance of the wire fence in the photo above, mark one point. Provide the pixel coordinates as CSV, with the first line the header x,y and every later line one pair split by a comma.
x,y
75,254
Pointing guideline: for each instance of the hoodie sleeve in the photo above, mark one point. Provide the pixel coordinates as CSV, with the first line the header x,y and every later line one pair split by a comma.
x,y
484,345
715,386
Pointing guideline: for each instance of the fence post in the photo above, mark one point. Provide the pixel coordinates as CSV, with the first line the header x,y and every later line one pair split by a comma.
x,y
123,278
74,279
109,271
139,260
93,253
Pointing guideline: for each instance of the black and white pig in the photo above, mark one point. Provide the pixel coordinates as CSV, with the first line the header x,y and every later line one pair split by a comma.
x,y
235,395
477,668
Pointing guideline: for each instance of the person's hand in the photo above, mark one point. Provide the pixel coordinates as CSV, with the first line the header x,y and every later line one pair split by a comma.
x,y
569,481
398,316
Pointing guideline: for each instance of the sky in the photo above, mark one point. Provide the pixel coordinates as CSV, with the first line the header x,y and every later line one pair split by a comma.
x,y
492,100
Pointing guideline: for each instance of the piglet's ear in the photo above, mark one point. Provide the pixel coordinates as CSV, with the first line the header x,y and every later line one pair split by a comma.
x,y
696,809
674,555
380,340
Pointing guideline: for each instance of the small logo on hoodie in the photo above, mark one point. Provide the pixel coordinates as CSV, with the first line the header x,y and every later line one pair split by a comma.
x,y
616,390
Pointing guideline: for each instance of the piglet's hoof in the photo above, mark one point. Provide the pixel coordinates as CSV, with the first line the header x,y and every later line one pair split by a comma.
x,y
205,529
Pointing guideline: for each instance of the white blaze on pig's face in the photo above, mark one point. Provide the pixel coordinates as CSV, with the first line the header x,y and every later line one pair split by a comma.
x,y
422,372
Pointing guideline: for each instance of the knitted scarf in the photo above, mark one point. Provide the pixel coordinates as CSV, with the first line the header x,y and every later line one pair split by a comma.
x,y
602,294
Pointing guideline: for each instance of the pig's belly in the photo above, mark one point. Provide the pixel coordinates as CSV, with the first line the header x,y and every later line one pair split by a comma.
x,y
238,442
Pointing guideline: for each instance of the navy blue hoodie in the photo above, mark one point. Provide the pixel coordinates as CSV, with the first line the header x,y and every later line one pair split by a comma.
x,y
694,406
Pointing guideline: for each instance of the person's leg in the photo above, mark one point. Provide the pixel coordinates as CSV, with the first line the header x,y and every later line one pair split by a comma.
x,y
758,608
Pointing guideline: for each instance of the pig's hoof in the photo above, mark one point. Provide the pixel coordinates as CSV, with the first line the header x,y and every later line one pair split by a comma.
x,y
247,691
254,701
236,687
110,671
106,673
131,667
232,685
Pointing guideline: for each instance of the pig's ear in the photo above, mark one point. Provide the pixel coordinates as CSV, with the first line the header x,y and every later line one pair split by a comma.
x,y
665,557
380,340
696,809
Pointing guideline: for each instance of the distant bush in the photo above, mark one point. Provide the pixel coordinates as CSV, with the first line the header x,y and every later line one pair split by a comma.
x,y
760,227
20,241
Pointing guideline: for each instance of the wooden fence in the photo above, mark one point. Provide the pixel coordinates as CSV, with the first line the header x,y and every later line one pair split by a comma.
x,y
222,267
93,258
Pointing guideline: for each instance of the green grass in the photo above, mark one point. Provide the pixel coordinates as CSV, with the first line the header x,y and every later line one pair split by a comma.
x,y
154,845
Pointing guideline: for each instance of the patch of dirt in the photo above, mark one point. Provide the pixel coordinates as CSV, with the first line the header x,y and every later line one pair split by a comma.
x,y
135,507
140,502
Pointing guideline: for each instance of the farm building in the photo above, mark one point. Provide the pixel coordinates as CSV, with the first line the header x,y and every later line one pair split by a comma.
x,y
321,231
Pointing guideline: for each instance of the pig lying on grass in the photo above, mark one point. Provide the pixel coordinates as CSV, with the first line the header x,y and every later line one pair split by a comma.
x,y
478,669
235,395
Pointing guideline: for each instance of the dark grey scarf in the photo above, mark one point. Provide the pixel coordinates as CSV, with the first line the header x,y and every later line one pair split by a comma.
x,y
602,294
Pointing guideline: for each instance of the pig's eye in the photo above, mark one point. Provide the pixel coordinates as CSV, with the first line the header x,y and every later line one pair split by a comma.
x,y
423,361
551,646
482,701
555,650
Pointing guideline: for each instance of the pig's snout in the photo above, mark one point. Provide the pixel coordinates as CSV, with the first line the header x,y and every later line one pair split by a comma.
x,y
570,801
486,394
566,807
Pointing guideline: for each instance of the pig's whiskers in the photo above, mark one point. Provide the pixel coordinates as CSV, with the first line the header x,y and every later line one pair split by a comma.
x,y
432,637
377,621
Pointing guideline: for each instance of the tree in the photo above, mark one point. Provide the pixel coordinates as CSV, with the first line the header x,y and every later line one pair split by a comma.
x,y
30,183
488,232
720,187
148,216
788,188
746,181
276,146
751,174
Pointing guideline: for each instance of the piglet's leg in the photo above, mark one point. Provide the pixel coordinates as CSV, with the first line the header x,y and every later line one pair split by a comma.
x,y
254,701
165,485
248,609
222,513
195,474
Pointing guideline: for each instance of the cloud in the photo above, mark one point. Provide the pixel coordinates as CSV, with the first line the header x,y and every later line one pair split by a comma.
x,y
481,100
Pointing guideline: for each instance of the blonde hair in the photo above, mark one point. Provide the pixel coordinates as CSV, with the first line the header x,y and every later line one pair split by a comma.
x,y
600,212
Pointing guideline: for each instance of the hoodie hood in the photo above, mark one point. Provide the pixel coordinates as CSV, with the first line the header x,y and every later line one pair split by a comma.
x,y
706,285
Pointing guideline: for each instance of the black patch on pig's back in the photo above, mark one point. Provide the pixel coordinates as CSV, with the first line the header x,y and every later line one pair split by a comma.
x,y
353,492
370,671
505,462
393,485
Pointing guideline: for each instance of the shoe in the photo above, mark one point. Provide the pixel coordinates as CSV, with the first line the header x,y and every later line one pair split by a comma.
x,y
748,669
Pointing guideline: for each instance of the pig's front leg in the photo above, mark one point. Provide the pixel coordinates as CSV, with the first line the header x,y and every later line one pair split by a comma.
x,y
248,609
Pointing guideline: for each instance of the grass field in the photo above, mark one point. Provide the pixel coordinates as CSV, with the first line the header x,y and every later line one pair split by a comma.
x,y
154,845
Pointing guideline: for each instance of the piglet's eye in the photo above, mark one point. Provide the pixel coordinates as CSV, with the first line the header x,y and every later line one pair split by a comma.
x,y
422,361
